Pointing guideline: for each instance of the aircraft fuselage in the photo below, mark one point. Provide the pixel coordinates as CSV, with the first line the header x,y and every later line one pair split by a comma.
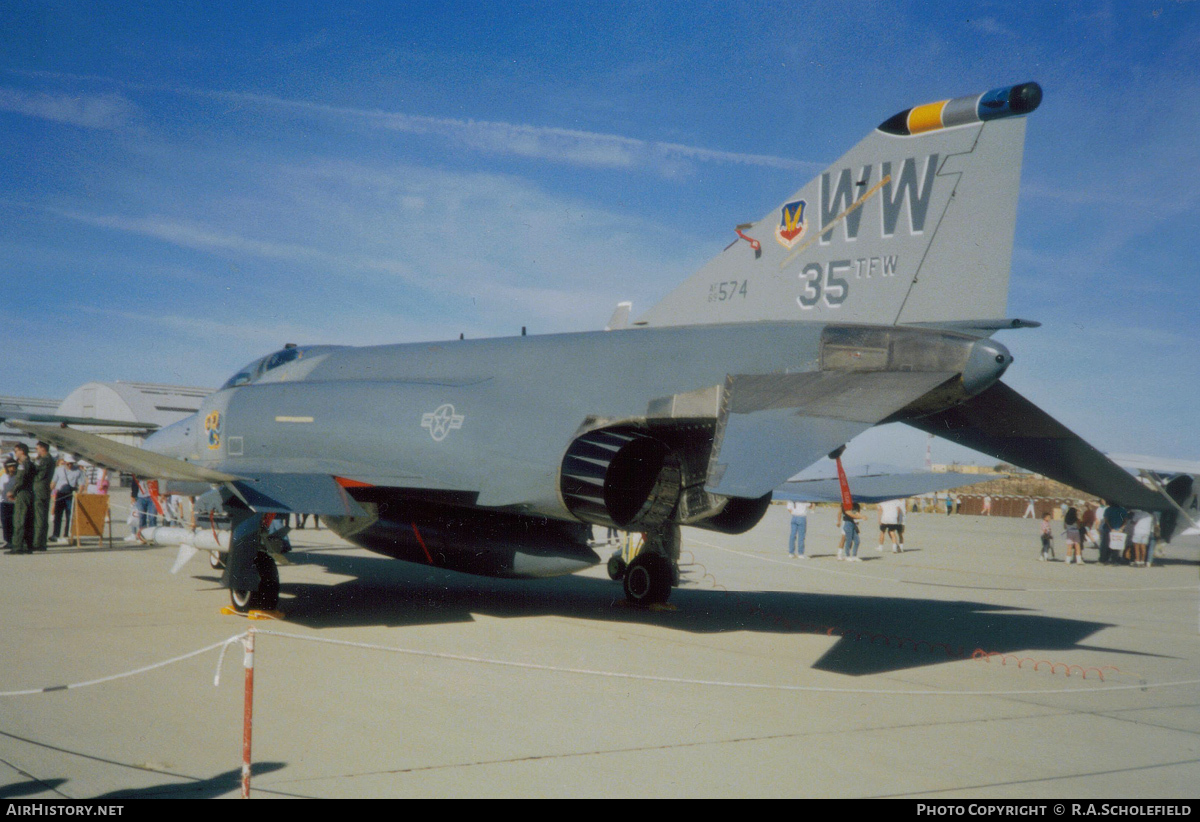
x,y
480,431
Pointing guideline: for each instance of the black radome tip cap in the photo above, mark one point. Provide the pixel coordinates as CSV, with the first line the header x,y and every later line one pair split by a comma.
x,y
1025,98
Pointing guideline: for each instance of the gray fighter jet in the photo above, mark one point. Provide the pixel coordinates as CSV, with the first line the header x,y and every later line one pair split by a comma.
x,y
1179,480
874,488
868,296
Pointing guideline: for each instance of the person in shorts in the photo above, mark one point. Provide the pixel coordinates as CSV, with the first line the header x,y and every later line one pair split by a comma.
x,y
1074,538
1047,539
891,516
1143,528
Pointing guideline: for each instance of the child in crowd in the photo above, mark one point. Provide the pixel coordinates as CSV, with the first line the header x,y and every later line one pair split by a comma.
x,y
1074,540
1047,539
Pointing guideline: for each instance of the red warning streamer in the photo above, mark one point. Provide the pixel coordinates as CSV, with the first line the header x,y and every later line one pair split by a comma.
x,y
755,244
152,487
847,500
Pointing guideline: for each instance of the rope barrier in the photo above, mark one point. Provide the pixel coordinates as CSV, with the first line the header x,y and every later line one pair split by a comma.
x,y
873,637
915,644
125,674
706,682
224,644
164,519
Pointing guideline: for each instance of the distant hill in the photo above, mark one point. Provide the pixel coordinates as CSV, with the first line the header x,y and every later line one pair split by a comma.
x,y
1029,487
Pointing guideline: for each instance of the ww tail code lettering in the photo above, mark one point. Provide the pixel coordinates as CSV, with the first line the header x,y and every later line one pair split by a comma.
x,y
907,190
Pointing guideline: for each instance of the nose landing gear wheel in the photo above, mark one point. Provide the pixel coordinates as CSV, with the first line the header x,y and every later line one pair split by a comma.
x,y
648,580
266,598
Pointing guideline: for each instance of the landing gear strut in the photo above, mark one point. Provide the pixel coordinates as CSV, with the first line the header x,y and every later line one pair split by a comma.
x,y
250,572
650,575
266,598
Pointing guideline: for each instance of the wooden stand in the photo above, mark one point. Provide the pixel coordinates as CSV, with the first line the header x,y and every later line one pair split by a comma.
x,y
88,516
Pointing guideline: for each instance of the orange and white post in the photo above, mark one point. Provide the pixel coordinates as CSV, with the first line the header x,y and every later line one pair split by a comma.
x,y
248,712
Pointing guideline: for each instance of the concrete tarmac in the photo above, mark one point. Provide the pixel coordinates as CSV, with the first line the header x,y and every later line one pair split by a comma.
x,y
962,668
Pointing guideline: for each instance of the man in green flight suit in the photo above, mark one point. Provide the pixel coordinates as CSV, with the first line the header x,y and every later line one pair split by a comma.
x,y
43,475
20,492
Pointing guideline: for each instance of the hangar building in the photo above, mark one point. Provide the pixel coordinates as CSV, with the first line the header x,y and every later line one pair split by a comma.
x,y
131,401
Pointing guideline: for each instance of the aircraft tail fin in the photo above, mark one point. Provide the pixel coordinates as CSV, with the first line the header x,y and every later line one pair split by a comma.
x,y
1177,480
620,317
1182,491
913,225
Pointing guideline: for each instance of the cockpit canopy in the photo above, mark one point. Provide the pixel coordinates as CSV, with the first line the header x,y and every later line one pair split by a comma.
x,y
256,370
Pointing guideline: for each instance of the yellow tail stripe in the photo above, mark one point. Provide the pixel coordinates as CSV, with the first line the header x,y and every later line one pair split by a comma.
x,y
926,118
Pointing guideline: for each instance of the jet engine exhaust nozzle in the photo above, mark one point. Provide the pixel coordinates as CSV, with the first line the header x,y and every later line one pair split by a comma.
x,y
620,477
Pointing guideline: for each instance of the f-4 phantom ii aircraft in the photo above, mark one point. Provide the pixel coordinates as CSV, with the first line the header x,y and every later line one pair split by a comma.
x,y
869,296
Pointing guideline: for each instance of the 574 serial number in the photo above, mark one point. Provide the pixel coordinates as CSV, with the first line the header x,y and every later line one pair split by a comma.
x,y
720,292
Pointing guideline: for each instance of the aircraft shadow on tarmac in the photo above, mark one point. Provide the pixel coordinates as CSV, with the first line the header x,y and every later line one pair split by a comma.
x,y
219,785
29,787
184,786
871,640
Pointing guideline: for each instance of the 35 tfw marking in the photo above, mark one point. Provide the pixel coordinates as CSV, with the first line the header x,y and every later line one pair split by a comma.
x,y
831,283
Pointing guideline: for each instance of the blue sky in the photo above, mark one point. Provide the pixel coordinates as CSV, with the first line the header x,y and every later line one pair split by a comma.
x,y
187,188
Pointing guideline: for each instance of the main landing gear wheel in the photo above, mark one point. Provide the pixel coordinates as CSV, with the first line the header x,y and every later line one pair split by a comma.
x,y
216,560
648,579
266,598
616,567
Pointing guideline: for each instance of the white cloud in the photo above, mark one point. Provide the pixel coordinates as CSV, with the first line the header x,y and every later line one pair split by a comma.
x,y
571,146
990,25
95,111
553,144
191,234
490,251
560,145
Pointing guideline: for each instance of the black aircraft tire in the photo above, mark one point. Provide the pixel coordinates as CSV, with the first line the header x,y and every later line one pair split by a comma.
x,y
266,598
648,580
616,567
216,560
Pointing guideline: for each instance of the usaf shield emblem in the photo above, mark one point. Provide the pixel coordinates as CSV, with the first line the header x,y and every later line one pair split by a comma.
x,y
442,421
791,224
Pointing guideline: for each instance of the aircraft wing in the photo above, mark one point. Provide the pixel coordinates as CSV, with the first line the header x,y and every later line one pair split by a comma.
x,y
1002,423
127,458
874,488
264,492
1158,465
25,416
319,494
